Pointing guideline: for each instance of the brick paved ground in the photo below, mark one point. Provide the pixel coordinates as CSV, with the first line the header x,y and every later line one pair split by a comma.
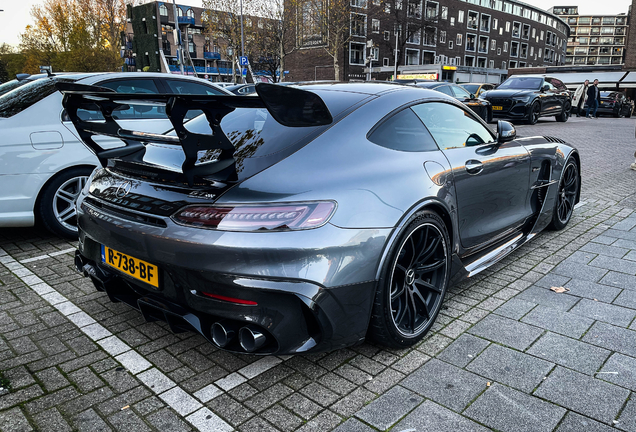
x,y
506,353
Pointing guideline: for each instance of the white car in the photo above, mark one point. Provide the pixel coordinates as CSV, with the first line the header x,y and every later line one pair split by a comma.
x,y
44,165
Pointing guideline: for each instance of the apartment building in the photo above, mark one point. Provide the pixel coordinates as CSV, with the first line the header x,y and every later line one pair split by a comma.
x,y
474,40
594,39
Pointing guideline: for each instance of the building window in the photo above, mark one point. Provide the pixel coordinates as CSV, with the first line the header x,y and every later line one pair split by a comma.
x,y
491,64
432,10
163,10
358,24
524,50
430,36
451,45
495,23
428,57
507,26
458,42
503,65
444,12
505,47
473,18
484,23
471,41
414,9
385,61
525,32
359,3
531,51
493,44
356,53
375,26
414,35
534,33
483,44
516,29
452,21
514,49
469,61
387,35
513,64
481,62
412,57
375,53
442,37
460,16
498,51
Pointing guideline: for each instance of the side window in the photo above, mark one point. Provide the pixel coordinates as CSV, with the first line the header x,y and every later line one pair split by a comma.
x,y
187,87
460,92
135,111
444,89
403,131
552,87
451,126
558,84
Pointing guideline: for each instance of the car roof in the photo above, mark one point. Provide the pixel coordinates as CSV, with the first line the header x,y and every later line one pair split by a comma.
x,y
370,87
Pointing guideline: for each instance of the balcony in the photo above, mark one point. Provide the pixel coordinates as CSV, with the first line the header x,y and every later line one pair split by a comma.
x,y
212,55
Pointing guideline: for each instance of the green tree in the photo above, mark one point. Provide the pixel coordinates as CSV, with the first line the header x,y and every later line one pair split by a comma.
x,y
74,35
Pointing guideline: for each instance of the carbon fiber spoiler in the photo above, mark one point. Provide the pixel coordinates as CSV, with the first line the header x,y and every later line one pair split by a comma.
x,y
289,106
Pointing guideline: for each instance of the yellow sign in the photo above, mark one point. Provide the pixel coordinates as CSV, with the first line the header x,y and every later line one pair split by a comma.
x,y
427,76
134,267
449,67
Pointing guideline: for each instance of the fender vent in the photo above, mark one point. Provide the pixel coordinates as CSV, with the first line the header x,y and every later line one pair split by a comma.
x,y
554,139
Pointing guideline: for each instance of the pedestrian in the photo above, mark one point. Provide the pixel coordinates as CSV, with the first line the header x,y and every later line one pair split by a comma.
x,y
580,96
592,99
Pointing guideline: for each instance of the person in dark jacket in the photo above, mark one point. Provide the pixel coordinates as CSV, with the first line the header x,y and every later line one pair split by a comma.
x,y
593,96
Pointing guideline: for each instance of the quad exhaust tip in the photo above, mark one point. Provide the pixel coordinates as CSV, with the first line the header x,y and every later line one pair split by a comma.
x,y
222,334
251,339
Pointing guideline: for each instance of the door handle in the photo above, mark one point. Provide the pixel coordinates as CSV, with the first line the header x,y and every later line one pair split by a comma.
x,y
474,167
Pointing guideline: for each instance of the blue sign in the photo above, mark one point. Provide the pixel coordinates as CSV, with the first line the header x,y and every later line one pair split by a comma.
x,y
243,60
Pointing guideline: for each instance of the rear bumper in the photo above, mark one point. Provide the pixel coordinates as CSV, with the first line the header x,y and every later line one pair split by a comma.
x,y
314,293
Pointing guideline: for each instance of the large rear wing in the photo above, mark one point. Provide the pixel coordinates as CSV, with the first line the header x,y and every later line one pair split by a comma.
x,y
289,106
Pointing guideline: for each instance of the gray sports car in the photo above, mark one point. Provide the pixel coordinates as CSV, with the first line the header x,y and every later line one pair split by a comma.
x,y
309,217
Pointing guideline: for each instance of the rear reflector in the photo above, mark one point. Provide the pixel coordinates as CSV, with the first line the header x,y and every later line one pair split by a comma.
x,y
257,218
229,299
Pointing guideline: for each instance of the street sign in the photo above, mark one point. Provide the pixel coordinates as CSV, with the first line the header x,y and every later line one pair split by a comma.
x,y
206,76
243,61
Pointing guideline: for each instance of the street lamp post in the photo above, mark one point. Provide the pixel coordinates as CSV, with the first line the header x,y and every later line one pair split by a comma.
x,y
177,36
242,43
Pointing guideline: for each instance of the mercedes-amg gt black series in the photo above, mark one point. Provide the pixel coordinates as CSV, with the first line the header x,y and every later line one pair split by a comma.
x,y
309,217
480,106
528,97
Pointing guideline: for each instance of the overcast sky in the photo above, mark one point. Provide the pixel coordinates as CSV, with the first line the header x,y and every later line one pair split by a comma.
x,y
16,12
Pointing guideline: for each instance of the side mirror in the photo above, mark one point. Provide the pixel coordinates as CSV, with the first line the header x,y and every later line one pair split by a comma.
x,y
545,88
505,131
472,96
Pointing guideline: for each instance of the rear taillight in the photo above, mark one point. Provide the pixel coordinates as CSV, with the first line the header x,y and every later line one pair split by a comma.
x,y
257,218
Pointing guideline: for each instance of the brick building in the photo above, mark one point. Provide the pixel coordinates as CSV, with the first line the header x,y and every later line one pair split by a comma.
x,y
594,39
475,40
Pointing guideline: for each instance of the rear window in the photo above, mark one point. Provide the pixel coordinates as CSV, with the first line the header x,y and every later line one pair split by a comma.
x,y
471,88
24,96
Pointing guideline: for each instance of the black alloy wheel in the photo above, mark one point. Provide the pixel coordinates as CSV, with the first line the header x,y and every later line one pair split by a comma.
x,y
566,196
414,283
534,114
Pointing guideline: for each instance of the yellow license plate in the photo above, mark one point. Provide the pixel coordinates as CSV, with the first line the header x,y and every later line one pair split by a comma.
x,y
497,108
139,269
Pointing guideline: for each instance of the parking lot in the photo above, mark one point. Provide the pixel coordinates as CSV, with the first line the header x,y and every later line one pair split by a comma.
x,y
506,352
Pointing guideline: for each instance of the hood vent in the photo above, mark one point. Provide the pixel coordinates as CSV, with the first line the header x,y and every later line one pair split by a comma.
x,y
554,139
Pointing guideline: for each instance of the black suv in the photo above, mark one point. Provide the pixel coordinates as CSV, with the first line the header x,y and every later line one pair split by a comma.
x,y
528,97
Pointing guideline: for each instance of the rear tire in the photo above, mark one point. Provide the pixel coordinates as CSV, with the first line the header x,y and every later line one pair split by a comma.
x,y
413,283
565,114
566,196
56,206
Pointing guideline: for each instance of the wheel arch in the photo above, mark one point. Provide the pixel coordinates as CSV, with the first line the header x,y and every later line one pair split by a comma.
x,y
577,158
36,203
439,207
